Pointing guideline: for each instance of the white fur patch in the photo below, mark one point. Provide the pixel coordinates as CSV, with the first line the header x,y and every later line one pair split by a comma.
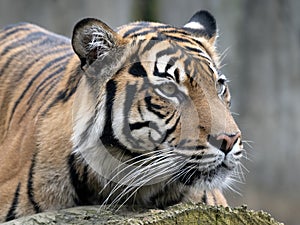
x,y
101,40
194,25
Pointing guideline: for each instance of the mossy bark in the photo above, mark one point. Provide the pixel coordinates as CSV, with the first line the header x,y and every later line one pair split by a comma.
x,y
178,214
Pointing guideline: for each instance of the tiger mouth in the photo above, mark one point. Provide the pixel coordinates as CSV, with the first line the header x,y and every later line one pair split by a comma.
x,y
190,176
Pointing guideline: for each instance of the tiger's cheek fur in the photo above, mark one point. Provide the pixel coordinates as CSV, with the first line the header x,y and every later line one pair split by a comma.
x,y
144,124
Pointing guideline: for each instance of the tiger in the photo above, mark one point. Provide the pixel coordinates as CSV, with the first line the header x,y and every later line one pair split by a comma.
x,y
137,116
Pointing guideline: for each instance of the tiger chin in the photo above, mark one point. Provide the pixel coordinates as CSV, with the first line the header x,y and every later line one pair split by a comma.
x,y
139,115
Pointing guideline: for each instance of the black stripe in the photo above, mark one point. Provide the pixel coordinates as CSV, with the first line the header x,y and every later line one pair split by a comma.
x,y
153,41
177,31
49,64
30,191
196,147
197,50
137,70
13,31
130,93
181,39
39,88
164,74
12,210
36,93
35,50
171,130
108,138
133,30
80,182
31,37
107,135
67,93
170,118
13,28
12,57
204,197
152,107
167,51
200,44
139,125
176,74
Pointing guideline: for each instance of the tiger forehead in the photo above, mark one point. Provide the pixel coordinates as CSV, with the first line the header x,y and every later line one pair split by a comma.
x,y
173,50
155,32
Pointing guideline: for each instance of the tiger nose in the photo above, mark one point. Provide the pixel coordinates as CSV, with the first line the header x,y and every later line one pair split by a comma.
x,y
228,141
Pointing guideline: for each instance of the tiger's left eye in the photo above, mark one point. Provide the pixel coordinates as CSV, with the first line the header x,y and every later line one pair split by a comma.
x,y
220,88
221,85
168,89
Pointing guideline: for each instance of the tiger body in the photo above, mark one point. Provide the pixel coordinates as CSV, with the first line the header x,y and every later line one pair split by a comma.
x,y
102,124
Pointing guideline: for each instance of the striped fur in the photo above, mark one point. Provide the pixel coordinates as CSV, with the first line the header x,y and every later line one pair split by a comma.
x,y
137,116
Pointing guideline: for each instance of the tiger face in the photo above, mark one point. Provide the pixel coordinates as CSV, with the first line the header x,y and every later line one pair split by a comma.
x,y
165,101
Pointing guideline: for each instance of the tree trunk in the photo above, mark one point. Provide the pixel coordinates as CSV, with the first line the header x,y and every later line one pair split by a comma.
x,y
178,214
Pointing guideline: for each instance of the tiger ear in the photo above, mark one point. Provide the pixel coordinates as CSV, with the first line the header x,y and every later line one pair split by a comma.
x,y
204,24
92,39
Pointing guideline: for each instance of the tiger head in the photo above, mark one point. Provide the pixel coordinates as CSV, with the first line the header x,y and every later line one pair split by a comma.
x,y
153,107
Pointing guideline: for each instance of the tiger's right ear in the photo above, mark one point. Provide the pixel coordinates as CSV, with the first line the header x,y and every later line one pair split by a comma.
x,y
93,39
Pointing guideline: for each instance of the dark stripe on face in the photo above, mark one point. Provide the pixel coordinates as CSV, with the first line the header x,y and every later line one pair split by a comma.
x,y
177,75
108,138
132,31
153,107
181,39
170,118
137,70
129,97
167,51
164,74
79,182
197,147
30,190
12,210
139,125
171,130
197,50
176,31
152,42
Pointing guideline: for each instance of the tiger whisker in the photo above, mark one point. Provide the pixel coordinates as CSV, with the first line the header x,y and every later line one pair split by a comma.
x,y
165,171
136,184
133,178
231,188
141,162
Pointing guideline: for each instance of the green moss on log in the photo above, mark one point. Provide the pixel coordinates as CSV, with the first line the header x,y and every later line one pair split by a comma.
x,y
178,214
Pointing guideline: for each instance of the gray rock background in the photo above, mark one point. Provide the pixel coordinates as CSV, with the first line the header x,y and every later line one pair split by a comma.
x,y
262,44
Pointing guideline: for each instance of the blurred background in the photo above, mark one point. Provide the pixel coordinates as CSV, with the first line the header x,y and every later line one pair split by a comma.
x,y
261,40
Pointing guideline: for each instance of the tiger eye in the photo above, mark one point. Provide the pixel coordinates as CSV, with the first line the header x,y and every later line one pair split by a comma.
x,y
168,89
